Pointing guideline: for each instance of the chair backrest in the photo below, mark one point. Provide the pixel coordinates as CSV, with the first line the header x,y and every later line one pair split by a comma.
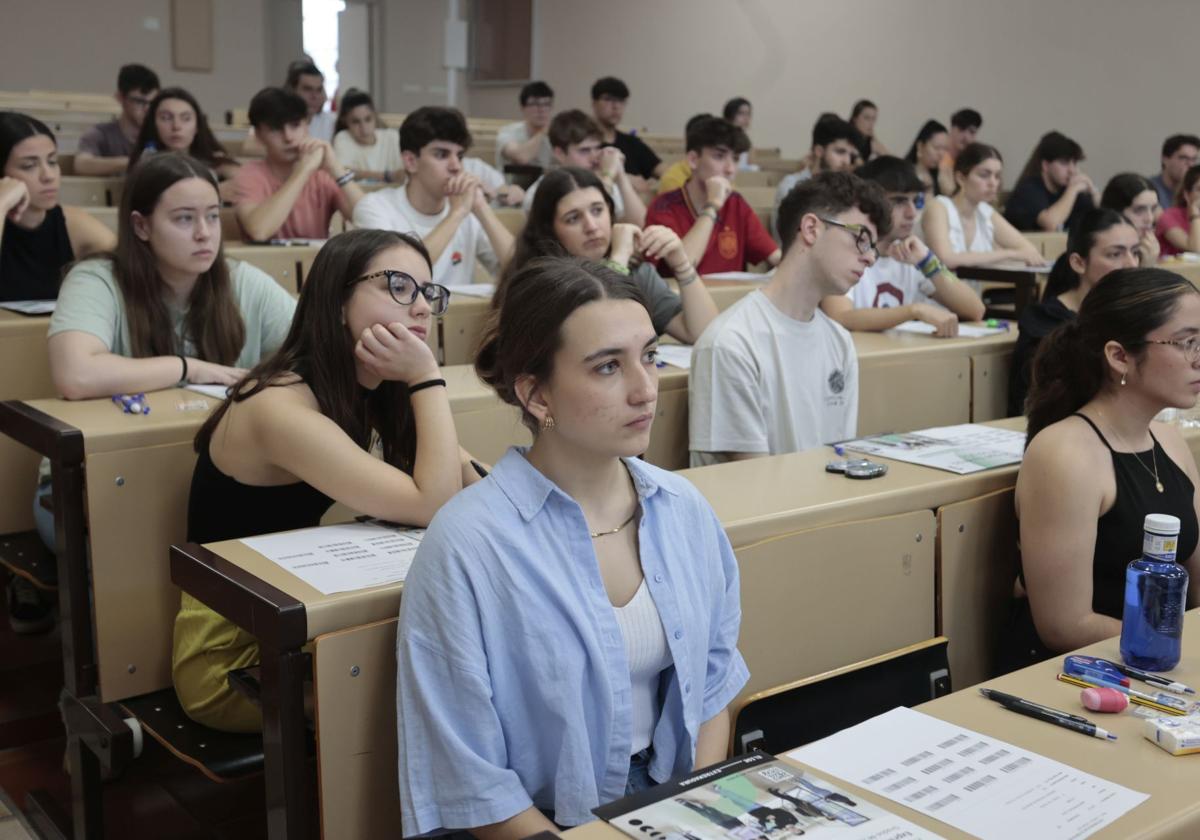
x,y
789,716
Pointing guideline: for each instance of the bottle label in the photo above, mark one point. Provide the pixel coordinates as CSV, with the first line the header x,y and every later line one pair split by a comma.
x,y
1160,546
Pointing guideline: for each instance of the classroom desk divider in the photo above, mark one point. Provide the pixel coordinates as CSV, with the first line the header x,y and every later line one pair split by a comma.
x,y
24,374
283,262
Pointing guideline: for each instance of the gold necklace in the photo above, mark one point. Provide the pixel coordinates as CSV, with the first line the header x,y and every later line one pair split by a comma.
x,y
618,529
1158,485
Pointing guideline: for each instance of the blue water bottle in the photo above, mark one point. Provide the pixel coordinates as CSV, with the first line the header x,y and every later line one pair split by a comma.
x,y
1155,599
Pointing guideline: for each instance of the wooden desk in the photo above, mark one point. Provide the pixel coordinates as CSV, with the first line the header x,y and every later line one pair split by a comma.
x,y
24,374
90,191
1023,279
1172,811
283,262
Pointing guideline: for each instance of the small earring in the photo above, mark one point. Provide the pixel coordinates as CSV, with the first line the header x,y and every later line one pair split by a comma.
x,y
1122,379
548,423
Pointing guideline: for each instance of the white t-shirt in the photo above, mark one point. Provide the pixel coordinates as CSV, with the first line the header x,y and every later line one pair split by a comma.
x,y
985,231
488,175
391,210
384,156
321,125
613,190
518,132
890,283
763,382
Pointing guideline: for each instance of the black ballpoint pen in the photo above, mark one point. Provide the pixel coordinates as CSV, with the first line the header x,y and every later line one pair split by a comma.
x,y
1044,713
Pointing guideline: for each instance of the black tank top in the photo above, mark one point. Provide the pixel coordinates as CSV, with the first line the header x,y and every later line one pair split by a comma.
x,y
1119,531
221,508
31,261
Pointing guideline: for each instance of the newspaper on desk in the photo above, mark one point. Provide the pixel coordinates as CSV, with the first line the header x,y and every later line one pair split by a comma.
x,y
343,558
962,449
971,781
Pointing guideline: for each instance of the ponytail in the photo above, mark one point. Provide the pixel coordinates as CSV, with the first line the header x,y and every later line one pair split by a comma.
x,y
1065,376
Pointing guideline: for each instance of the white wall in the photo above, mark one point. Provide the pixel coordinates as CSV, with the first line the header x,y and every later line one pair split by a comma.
x,y
78,45
1098,70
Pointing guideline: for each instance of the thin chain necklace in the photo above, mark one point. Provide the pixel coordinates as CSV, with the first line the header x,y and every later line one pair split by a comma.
x,y
1158,485
618,529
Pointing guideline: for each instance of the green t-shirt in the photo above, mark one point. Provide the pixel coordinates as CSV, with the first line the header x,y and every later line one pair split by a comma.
x,y
90,301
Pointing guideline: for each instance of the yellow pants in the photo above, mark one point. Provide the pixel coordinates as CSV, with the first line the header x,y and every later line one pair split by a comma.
x,y
206,648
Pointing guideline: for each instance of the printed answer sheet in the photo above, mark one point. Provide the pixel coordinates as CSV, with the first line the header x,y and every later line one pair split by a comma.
x,y
962,449
343,558
973,782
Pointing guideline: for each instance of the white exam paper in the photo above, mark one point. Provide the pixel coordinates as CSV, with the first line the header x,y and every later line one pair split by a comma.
x,y
29,307
973,782
676,355
964,330
481,290
343,558
219,392
746,276
962,449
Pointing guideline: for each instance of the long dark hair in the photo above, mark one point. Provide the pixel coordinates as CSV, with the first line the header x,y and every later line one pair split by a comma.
x,y
1070,367
1080,241
537,238
1186,186
213,323
320,350
1122,189
14,128
970,157
523,334
927,131
205,147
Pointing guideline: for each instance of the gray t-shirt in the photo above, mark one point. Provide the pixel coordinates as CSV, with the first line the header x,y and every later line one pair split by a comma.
x,y
106,140
518,132
90,301
660,300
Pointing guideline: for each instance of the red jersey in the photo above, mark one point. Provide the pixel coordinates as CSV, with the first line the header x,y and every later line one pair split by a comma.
x,y
738,240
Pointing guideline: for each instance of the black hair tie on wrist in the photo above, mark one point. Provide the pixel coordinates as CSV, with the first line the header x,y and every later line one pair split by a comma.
x,y
428,383
183,378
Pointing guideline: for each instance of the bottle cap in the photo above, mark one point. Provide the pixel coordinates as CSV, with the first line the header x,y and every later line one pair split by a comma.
x,y
1161,523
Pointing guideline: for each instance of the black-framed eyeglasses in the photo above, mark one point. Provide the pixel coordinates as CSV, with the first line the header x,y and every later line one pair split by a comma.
x,y
1190,346
404,289
862,236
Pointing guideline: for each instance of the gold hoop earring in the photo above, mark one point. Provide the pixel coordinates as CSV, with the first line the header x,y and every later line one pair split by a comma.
x,y
548,423
1122,379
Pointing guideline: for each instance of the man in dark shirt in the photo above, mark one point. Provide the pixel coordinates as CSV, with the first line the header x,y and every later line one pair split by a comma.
x,y
1052,193
608,105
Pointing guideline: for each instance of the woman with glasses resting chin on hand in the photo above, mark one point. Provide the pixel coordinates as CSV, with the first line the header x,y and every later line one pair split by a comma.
x,y
1095,462
353,380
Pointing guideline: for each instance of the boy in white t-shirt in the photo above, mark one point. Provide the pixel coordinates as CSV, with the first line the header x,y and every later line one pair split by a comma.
x,y
441,203
774,374
908,282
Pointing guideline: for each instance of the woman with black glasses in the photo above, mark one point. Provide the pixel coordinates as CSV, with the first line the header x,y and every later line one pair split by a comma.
x,y
351,408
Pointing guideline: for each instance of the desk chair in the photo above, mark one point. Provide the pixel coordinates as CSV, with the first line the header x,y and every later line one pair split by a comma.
x,y
523,175
791,715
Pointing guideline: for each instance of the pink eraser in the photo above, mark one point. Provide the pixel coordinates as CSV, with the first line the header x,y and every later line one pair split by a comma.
x,y
1103,699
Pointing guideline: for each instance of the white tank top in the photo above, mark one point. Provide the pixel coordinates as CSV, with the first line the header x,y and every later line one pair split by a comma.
x,y
648,655
985,232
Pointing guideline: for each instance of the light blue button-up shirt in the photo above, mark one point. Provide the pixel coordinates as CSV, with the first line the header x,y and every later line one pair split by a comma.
x,y
513,685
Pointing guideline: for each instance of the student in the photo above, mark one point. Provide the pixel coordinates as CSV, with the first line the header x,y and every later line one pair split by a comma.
x,y
104,149
963,228
964,129
575,139
1096,463
362,145
495,187
609,96
296,436
930,146
166,307
1101,242
578,602
1178,227
1179,154
175,123
719,229
677,173
907,282
863,116
440,203
294,192
38,236
307,82
573,214
525,142
773,373
834,145
1135,198
1052,193
740,112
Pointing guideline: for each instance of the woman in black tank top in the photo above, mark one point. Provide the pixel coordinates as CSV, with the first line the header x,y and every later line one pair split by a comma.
x,y
1095,464
38,237
354,374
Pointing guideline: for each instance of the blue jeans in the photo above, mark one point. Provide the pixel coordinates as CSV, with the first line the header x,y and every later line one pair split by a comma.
x,y
639,773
